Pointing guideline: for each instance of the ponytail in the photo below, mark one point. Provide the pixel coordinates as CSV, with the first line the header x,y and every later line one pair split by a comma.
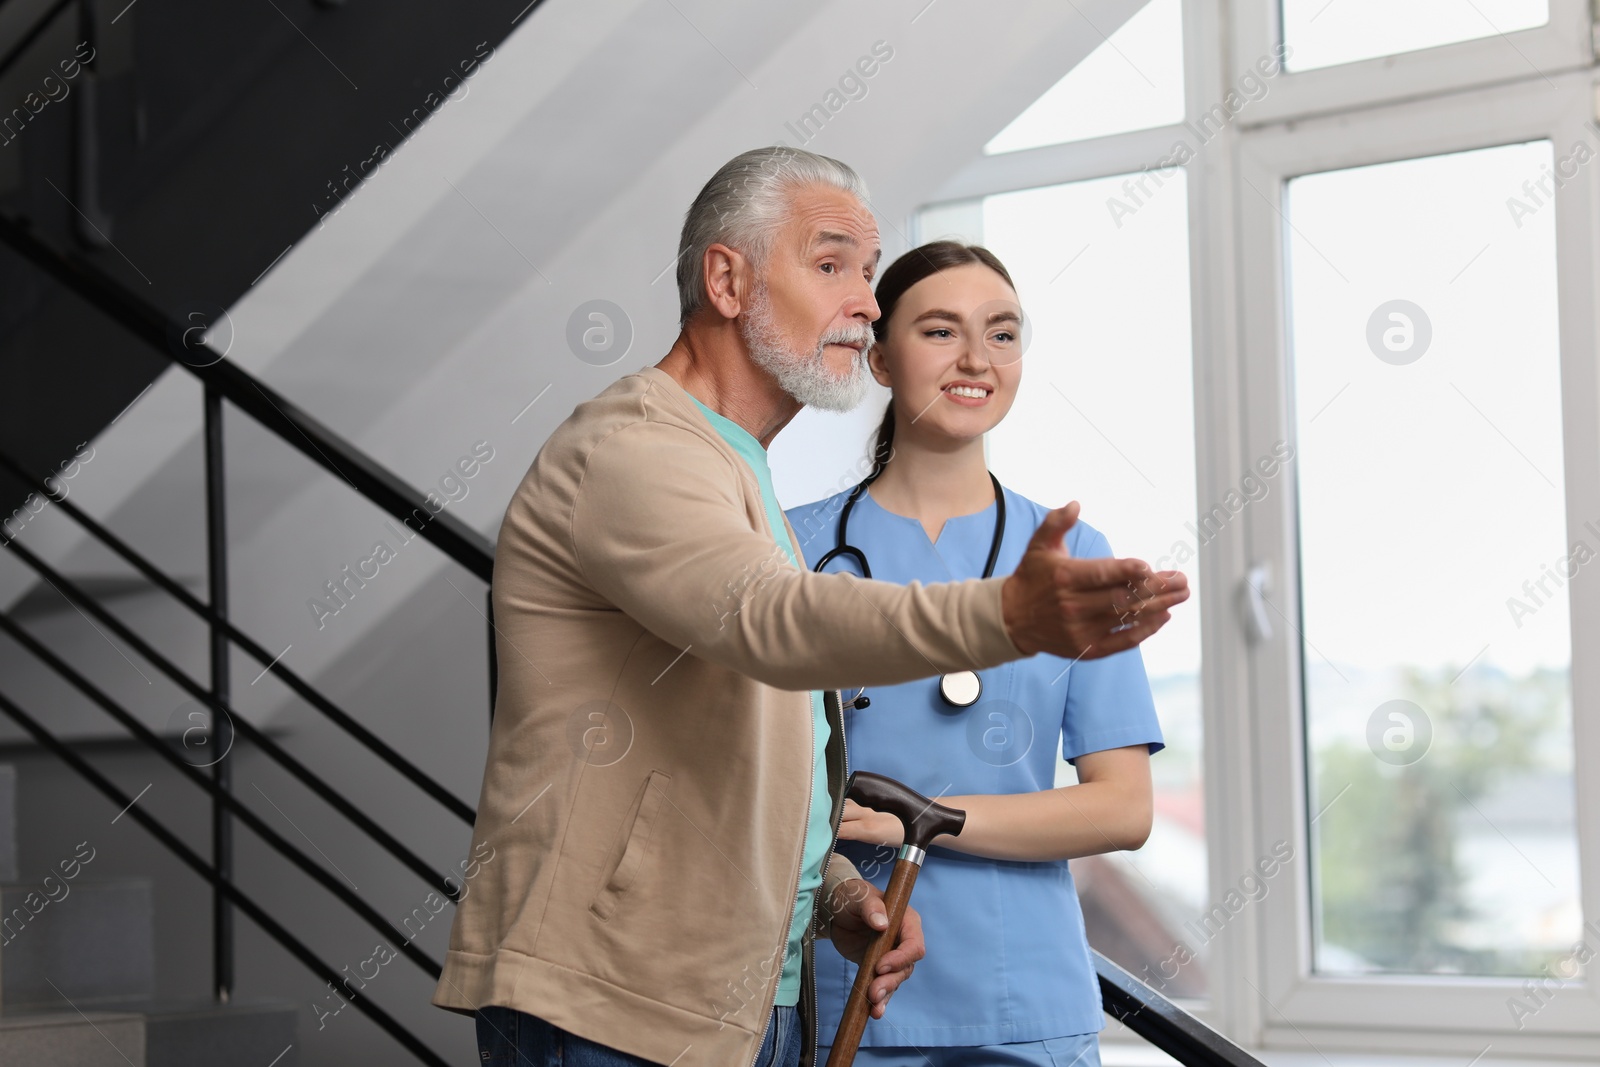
x,y
883,444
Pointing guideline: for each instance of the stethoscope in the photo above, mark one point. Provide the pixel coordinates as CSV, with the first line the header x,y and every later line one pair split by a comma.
x,y
960,689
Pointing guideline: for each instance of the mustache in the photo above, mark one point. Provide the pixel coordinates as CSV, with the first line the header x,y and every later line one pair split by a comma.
x,y
858,334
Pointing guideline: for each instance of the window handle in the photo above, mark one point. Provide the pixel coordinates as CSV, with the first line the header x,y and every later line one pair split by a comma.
x,y
1257,584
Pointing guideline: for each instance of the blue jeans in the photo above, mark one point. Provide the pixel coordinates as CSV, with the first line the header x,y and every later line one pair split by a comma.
x,y
510,1038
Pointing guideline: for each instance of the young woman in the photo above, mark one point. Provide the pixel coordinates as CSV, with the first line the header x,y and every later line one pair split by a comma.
x,y
1007,978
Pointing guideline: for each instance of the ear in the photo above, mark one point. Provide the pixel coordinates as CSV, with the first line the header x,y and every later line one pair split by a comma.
x,y
727,274
878,363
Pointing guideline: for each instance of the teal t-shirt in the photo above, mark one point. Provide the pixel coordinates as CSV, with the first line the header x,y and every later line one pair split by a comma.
x,y
819,830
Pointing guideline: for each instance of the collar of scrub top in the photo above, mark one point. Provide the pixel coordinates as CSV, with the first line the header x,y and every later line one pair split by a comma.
x,y
960,689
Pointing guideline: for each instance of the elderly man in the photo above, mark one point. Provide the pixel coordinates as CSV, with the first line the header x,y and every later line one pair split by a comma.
x,y
666,768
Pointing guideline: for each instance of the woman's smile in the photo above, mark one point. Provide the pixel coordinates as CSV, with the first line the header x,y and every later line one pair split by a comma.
x,y
967,394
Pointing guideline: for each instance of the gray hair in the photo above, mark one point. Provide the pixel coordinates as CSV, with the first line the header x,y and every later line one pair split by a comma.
x,y
744,204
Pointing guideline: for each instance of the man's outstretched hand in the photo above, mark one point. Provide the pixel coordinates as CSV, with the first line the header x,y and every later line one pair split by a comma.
x,y
859,916
1083,608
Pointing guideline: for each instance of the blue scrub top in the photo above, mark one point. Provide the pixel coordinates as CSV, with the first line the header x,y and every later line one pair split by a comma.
x,y
1007,956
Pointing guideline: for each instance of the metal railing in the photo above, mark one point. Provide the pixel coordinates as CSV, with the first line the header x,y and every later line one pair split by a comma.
x,y
1163,1023
225,382
223,885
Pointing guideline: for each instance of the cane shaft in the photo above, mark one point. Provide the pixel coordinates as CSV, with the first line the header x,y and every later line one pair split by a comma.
x,y
857,1008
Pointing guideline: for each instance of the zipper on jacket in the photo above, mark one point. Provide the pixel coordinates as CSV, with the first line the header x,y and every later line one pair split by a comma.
x,y
800,869
844,749
816,1023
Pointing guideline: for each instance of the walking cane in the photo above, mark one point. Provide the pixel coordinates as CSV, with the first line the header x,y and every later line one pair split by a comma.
x,y
923,821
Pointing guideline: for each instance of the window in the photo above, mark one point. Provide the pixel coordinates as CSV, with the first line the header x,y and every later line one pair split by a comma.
x,y
1322,33
1342,55
1414,281
1384,268
1438,725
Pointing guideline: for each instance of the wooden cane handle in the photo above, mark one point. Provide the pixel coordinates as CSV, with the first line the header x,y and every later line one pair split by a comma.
x,y
857,1008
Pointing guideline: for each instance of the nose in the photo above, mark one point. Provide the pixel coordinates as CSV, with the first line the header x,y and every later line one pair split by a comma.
x,y
862,305
973,355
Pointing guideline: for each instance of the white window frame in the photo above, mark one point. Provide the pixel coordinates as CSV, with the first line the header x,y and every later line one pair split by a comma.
x,y
1420,1013
1564,43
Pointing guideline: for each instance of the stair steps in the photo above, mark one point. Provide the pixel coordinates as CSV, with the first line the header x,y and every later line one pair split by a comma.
x,y
77,975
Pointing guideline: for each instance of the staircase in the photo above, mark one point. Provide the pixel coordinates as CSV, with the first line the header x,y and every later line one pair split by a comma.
x,y
77,974
167,165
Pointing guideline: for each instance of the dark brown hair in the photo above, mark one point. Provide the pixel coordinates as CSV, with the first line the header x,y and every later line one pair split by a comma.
x,y
902,274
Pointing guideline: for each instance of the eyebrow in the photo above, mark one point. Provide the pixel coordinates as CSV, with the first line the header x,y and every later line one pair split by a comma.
x,y
827,237
950,316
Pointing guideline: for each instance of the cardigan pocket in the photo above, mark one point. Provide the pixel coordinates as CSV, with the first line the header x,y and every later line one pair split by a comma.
x,y
646,810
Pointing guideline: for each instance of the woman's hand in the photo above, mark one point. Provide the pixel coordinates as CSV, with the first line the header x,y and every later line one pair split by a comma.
x,y
872,827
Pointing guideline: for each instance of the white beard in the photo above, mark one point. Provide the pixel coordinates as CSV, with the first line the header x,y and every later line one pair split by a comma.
x,y
805,375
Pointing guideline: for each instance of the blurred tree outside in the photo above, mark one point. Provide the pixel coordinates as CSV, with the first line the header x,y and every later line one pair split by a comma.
x,y
1388,870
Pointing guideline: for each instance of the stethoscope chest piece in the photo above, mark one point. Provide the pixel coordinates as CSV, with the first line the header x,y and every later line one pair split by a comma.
x,y
960,689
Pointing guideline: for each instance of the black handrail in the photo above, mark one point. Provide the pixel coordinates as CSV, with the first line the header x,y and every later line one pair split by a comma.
x,y
288,850
463,544
333,797
416,775
221,680
244,903
1164,1024
221,380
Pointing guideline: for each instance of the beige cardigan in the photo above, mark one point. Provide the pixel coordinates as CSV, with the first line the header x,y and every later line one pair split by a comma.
x,y
648,778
